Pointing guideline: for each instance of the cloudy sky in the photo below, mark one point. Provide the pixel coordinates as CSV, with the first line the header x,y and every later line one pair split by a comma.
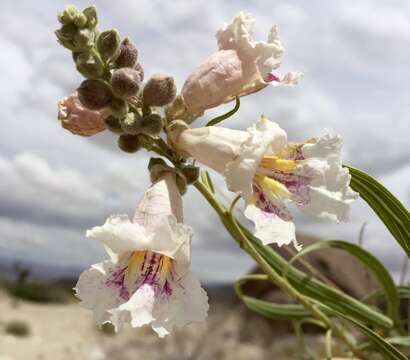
x,y
54,185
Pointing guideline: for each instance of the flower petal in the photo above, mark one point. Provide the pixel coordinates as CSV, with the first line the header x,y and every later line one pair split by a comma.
x,y
239,68
264,137
188,303
93,292
212,146
160,200
173,239
290,79
329,195
270,228
137,311
80,120
121,235
238,36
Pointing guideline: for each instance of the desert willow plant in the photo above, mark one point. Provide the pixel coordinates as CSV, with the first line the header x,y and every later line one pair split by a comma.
x,y
147,279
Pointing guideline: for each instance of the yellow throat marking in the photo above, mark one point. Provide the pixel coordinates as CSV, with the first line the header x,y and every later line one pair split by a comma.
x,y
271,186
134,266
275,163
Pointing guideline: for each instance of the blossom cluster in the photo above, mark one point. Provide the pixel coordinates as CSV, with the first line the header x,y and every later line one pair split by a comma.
x,y
147,279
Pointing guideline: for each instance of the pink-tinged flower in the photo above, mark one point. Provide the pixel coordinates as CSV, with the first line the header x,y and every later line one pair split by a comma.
x,y
147,280
80,120
268,172
240,67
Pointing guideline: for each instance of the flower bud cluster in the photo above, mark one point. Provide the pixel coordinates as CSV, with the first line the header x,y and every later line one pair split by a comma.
x,y
114,78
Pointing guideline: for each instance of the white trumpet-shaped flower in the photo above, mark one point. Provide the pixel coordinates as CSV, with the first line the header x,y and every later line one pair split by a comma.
x,y
147,280
267,171
241,66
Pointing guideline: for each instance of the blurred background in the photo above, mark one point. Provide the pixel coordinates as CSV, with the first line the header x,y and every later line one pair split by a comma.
x,y
54,185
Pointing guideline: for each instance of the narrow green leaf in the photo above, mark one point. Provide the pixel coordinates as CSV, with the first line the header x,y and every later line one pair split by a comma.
x,y
388,350
372,263
387,207
403,341
268,309
315,289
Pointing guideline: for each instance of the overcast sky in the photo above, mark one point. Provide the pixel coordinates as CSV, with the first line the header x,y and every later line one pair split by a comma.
x,y
54,185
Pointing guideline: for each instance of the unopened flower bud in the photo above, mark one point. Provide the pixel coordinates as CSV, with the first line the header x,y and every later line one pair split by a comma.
x,y
151,124
108,43
88,66
84,39
113,124
160,90
119,107
140,69
129,143
80,20
94,94
125,82
65,36
131,124
68,31
191,173
178,110
69,15
128,55
91,15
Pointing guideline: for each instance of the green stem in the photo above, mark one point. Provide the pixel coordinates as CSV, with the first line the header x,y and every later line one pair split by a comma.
x,y
231,225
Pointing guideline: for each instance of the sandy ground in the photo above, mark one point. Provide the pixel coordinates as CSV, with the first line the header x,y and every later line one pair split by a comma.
x,y
67,332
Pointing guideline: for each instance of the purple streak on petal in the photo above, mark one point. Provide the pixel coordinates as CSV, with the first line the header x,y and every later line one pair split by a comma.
x,y
167,290
298,185
116,279
268,207
271,77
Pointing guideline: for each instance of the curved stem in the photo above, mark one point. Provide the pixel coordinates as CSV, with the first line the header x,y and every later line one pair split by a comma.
x,y
231,225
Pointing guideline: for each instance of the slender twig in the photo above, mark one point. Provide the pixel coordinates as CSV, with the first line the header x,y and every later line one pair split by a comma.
x,y
231,225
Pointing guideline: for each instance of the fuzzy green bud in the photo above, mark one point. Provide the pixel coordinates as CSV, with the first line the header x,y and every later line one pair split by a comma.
x,y
128,55
178,110
84,39
65,36
131,124
94,94
91,15
119,107
80,20
191,173
113,124
68,15
68,31
108,44
88,66
160,90
129,143
125,82
151,124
